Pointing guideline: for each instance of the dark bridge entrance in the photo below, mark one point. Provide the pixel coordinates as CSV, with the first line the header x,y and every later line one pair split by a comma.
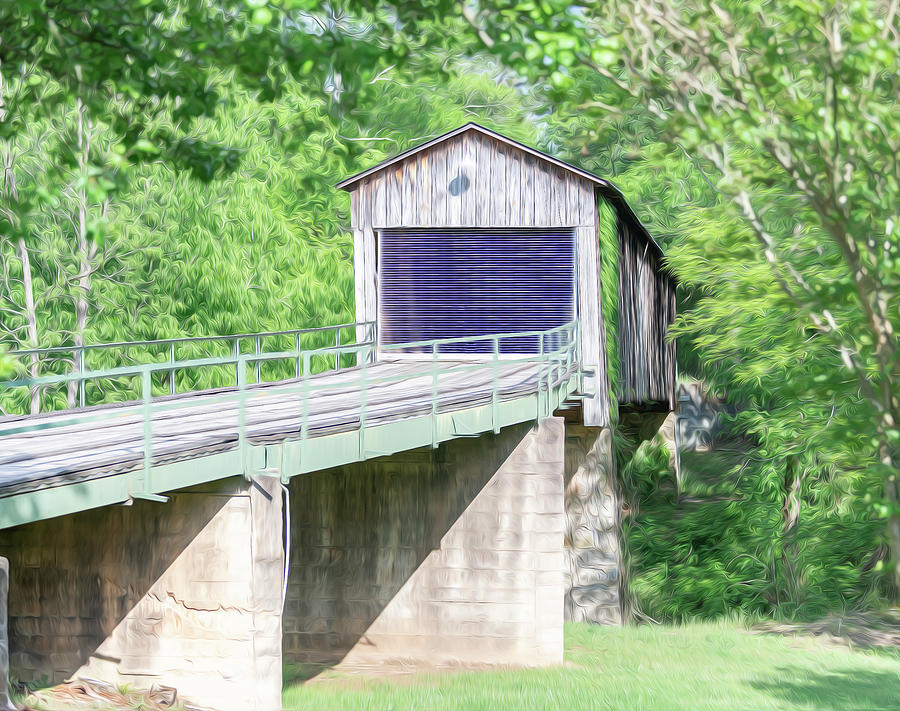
x,y
461,283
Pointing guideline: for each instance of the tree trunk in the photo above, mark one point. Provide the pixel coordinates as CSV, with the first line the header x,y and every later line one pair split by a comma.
x,y
31,321
11,190
86,252
790,512
892,495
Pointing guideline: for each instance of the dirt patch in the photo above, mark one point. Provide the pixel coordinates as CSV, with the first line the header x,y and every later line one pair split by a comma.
x,y
83,694
861,630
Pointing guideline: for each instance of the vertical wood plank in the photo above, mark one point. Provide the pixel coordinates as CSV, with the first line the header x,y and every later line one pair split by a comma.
x,y
360,275
364,204
371,299
573,206
407,195
393,177
379,200
426,182
588,204
483,181
468,169
498,184
514,187
595,411
559,197
439,186
454,202
542,195
354,207
527,179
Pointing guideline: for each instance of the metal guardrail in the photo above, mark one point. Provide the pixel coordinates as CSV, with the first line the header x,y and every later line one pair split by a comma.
x,y
171,345
556,361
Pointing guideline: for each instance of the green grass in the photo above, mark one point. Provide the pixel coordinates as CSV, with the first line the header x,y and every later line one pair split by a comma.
x,y
696,667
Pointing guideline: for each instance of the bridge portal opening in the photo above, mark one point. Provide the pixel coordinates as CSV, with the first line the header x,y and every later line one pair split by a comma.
x,y
457,283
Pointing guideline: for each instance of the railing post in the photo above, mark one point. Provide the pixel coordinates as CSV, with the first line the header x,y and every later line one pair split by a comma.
x,y
298,354
540,374
304,412
363,402
495,386
337,355
143,484
172,369
258,362
237,377
576,356
434,395
241,367
81,379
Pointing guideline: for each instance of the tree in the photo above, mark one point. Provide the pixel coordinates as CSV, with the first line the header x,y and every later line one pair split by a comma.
x,y
787,112
261,247
111,83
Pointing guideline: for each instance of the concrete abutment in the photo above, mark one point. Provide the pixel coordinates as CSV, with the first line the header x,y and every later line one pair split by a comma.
x,y
184,594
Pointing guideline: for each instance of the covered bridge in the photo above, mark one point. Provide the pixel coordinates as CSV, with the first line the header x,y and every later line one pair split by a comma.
x,y
433,482
474,233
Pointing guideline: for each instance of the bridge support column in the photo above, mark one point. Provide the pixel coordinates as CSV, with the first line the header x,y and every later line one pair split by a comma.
x,y
435,557
5,702
185,594
592,527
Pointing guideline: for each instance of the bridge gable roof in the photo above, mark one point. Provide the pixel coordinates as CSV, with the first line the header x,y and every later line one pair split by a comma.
x,y
350,183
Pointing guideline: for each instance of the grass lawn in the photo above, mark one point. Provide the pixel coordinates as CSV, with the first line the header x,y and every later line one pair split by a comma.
x,y
698,667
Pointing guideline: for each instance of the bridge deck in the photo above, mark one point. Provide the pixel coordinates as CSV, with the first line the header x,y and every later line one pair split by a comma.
x,y
195,424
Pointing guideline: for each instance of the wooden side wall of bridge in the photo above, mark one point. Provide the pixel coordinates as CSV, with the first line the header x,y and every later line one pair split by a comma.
x,y
646,312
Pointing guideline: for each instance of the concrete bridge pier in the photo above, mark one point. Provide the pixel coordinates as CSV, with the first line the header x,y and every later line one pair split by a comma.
x,y
184,594
593,512
5,701
440,557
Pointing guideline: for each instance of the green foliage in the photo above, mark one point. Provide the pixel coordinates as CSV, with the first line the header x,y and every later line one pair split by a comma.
x,y
7,365
169,169
609,293
264,247
781,211
717,547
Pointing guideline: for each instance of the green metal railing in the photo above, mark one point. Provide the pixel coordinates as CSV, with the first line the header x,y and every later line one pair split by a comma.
x,y
170,350
555,366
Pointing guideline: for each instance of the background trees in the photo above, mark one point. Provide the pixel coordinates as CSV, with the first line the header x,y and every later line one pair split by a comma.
x,y
786,114
169,169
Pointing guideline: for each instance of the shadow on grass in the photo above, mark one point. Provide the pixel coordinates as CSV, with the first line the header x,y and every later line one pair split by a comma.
x,y
876,630
839,690
300,673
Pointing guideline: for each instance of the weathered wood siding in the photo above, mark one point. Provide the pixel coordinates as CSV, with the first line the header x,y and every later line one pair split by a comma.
x,y
646,311
473,180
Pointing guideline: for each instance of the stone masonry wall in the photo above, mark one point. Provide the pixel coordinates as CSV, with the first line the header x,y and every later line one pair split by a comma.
x,y
592,527
185,594
449,556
